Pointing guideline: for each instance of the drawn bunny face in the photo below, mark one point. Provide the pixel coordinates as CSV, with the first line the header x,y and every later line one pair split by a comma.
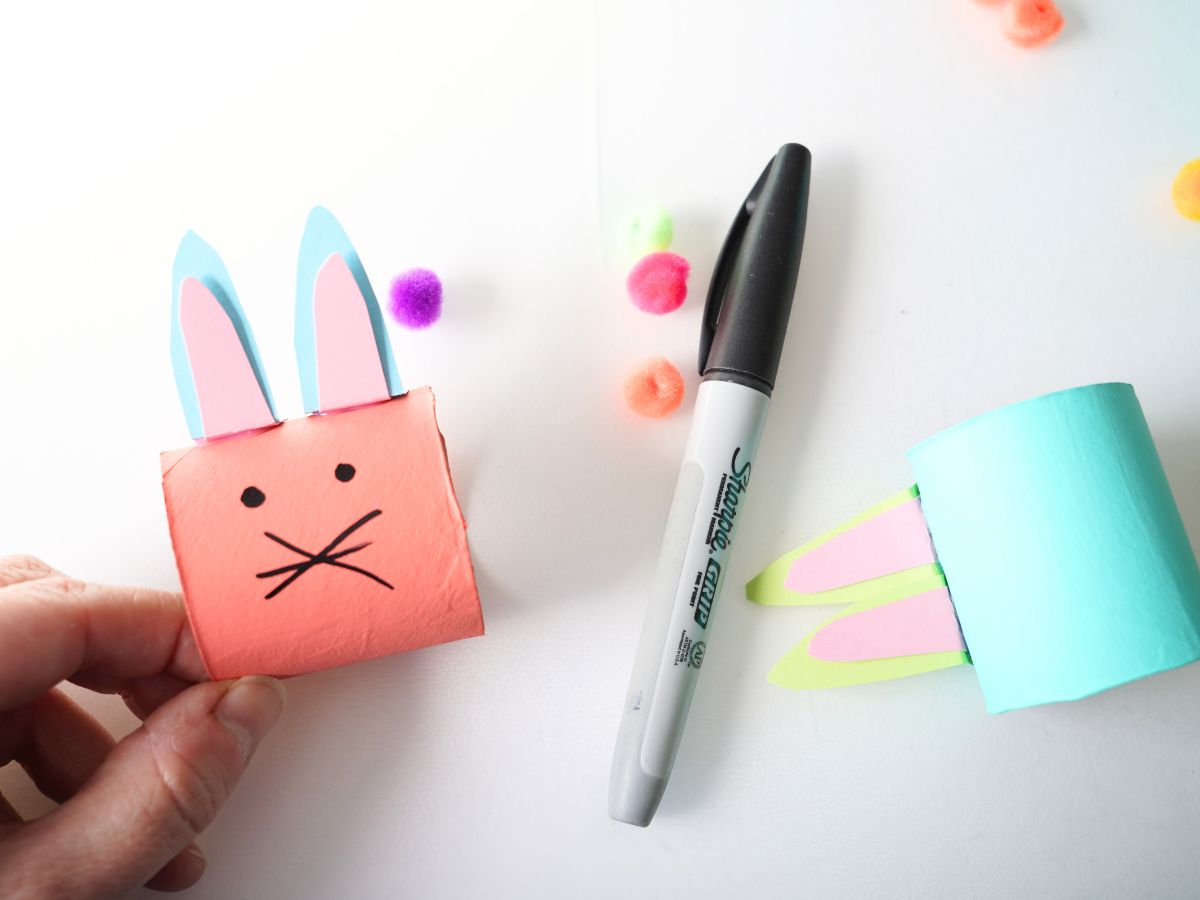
x,y
322,540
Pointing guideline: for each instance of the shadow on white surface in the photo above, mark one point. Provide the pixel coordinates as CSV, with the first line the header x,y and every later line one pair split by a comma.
x,y
1179,450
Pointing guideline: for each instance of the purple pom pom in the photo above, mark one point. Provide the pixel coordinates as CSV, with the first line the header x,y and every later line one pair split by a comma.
x,y
416,298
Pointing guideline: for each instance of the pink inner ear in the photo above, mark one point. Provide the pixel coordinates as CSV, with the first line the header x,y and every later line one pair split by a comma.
x,y
924,623
227,391
891,542
349,371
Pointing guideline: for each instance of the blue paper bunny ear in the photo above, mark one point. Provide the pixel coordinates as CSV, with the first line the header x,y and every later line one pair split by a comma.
x,y
342,346
218,371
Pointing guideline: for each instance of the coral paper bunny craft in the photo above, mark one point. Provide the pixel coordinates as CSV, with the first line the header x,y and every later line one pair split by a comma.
x,y
318,541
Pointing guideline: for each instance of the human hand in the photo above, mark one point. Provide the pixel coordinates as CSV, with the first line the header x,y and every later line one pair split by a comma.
x,y
130,810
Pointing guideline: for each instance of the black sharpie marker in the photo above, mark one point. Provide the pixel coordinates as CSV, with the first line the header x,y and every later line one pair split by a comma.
x,y
745,318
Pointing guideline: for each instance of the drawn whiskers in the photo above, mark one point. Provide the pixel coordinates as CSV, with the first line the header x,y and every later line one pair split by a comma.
x,y
326,556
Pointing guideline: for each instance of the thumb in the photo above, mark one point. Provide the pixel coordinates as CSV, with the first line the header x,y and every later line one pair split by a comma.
x,y
154,793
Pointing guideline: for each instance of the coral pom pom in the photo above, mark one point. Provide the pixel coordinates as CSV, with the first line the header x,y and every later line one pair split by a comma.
x,y
1031,23
655,389
649,231
658,283
416,298
1186,190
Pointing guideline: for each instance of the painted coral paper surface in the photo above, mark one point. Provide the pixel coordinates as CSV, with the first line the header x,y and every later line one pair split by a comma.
x,y
1062,545
321,541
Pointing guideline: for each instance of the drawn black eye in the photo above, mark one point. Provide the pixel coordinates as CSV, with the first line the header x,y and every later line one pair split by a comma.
x,y
343,472
253,497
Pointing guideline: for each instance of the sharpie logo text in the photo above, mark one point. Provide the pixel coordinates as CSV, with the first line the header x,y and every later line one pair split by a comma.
x,y
729,493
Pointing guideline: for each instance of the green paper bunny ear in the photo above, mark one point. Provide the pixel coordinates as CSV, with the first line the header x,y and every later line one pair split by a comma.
x,y
838,567
900,622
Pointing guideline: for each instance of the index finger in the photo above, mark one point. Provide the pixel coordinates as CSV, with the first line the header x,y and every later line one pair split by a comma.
x,y
54,627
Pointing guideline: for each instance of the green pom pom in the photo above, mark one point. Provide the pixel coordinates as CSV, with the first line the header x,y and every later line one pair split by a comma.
x,y
648,231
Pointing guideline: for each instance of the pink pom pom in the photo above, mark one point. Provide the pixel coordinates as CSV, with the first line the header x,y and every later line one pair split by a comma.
x,y
655,389
1031,23
658,283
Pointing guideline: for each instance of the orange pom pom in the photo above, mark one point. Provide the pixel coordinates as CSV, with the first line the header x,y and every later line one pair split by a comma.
x,y
655,389
1186,190
1031,23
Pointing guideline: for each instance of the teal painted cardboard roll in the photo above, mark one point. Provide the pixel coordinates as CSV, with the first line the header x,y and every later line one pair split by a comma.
x,y
1043,545
1067,561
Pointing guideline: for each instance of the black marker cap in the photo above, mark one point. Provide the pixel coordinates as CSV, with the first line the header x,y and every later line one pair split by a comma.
x,y
750,298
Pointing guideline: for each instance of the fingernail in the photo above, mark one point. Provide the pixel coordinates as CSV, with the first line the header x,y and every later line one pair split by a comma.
x,y
249,709
185,869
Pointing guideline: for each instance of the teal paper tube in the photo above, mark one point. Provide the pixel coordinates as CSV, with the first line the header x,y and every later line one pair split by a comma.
x,y
1065,554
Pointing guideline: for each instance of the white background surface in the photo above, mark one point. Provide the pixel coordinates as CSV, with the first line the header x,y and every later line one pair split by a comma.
x,y
986,224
